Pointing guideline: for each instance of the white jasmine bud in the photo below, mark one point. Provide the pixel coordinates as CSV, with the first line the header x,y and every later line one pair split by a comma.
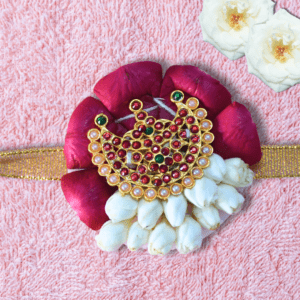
x,y
203,193
188,235
137,236
119,208
229,200
216,169
161,239
149,213
112,235
238,173
175,208
208,217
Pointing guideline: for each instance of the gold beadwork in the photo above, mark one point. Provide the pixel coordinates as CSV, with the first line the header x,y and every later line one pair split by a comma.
x,y
155,153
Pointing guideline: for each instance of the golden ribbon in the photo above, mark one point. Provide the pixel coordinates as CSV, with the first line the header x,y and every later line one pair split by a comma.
x,y
50,164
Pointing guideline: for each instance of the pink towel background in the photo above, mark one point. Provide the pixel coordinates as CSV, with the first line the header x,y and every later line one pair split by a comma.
x,y
51,55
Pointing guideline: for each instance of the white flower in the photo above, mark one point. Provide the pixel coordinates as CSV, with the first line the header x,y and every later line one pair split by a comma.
x,y
188,235
208,217
149,213
273,51
161,239
238,173
203,193
226,23
112,235
229,200
175,209
137,236
119,208
216,169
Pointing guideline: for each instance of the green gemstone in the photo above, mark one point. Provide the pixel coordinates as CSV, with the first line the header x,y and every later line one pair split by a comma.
x,y
159,158
101,120
149,130
177,96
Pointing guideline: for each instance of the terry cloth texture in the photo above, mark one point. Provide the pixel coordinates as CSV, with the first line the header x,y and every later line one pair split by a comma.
x,y
51,55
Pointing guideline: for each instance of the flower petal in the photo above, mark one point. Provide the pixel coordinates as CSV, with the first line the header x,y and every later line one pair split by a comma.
x,y
213,96
132,81
82,120
87,192
236,134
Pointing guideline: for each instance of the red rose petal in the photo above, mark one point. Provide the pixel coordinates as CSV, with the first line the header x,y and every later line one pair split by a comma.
x,y
82,120
213,96
87,192
236,134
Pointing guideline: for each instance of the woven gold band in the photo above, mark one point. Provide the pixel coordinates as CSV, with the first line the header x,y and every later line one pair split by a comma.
x,y
50,164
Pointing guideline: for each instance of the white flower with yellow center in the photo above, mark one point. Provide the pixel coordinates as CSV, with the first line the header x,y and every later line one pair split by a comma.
x,y
226,23
273,51
175,223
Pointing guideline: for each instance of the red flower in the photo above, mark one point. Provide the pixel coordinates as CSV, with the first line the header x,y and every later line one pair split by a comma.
x,y
235,133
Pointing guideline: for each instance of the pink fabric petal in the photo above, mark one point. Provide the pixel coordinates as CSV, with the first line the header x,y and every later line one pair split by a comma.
x,y
87,192
82,120
132,81
213,96
236,134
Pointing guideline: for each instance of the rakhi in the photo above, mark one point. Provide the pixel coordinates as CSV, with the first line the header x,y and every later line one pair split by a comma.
x,y
157,162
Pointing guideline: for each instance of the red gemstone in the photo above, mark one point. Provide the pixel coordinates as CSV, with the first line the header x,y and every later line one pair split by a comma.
x,y
145,179
142,128
169,161
116,141
136,145
106,135
142,169
193,150
158,139
176,144
117,165
195,139
163,169
190,158
135,105
135,176
122,153
167,134
167,178
190,120
177,157
159,126
174,128
183,167
183,134
111,155
194,129
136,157
178,121
183,113
165,151
107,146
175,174
136,134
147,143
124,172
148,156
154,167
157,182
141,115
150,121
126,144
155,149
